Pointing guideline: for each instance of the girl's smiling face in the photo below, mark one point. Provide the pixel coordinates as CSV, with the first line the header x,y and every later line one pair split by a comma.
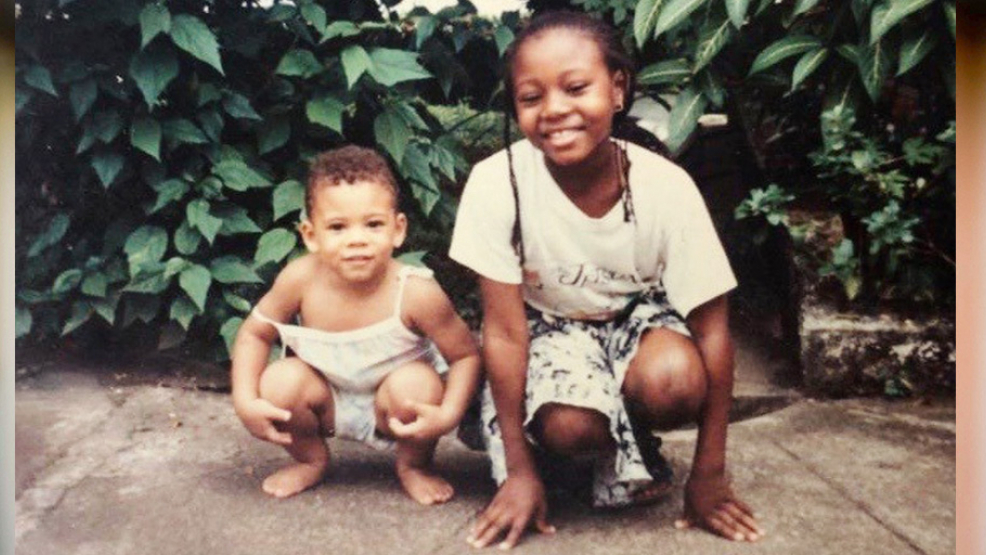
x,y
565,96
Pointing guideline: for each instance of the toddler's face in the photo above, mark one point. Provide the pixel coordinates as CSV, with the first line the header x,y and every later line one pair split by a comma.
x,y
355,228
564,95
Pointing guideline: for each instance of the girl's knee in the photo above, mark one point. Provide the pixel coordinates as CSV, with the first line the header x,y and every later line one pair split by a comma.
x,y
668,376
570,431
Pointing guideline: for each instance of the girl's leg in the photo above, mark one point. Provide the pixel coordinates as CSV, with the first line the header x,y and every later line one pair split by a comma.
x,y
295,386
665,384
572,431
414,382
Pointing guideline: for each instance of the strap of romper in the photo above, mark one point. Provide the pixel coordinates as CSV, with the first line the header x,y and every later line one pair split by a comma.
x,y
277,325
402,281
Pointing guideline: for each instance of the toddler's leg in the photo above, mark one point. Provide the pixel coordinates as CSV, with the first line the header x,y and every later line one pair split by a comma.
x,y
417,382
665,385
295,386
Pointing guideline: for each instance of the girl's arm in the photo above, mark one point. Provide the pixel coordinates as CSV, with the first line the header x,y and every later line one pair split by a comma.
x,y
521,498
429,310
709,501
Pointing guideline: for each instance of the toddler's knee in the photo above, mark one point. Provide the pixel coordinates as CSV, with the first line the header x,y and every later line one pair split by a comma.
x,y
572,431
417,382
285,382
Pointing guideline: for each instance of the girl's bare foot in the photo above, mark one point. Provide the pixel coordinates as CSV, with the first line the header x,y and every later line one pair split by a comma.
x,y
424,486
294,479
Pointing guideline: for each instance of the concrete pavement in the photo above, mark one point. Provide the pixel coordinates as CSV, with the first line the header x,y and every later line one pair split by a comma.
x,y
109,465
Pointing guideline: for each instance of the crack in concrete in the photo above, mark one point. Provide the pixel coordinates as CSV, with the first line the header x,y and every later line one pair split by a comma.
x,y
859,504
33,506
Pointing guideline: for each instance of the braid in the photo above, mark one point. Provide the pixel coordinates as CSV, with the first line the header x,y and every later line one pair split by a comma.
x,y
516,238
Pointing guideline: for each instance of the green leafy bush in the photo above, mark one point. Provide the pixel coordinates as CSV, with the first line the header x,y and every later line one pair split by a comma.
x,y
161,147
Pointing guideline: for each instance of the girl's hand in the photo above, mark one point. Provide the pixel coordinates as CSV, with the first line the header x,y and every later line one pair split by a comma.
x,y
711,504
520,502
431,422
259,416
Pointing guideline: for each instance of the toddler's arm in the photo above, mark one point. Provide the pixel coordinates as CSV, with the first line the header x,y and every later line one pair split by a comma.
x,y
250,353
709,501
430,311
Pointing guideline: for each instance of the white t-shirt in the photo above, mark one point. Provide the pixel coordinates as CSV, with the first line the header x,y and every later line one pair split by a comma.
x,y
581,267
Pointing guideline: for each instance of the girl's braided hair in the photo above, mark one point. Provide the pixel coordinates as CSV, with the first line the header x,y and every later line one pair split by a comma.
x,y
616,59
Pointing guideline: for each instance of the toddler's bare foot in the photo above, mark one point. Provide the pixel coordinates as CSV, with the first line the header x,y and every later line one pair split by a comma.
x,y
424,486
294,479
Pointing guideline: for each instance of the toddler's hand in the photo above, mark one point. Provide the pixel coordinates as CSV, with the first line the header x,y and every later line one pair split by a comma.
x,y
711,504
259,415
431,422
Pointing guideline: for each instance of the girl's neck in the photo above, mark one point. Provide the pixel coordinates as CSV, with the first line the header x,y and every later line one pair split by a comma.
x,y
592,185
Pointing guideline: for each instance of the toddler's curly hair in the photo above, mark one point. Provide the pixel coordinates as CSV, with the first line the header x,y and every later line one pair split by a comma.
x,y
347,165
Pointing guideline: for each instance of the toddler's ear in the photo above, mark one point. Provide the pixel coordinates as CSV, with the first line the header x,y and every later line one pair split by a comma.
x,y
400,230
307,232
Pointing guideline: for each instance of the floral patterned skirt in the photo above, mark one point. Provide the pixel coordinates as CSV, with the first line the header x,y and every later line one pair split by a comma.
x,y
583,363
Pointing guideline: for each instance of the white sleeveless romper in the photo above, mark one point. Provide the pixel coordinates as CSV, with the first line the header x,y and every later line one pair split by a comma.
x,y
355,362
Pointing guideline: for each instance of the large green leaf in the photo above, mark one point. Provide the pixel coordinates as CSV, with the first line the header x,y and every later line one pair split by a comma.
x,y
145,135
737,11
886,15
106,125
239,106
392,133
145,246
711,43
299,63
235,219
326,111
874,68
168,191
154,19
914,50
237,302
668,71
197,213
674,13
274,245
237,175
82,95
108,166
182,131
183,311
783,49
288,197
67,281
195,281
424,27
211,123
153,69
807,65
232,269
315,15
503,37
340,29
273,134
106,308
644,20
355,62
140,307
390,66
152,283
187,240
192,35
228,332
52,234
81,312
94,285
38,77
687,108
